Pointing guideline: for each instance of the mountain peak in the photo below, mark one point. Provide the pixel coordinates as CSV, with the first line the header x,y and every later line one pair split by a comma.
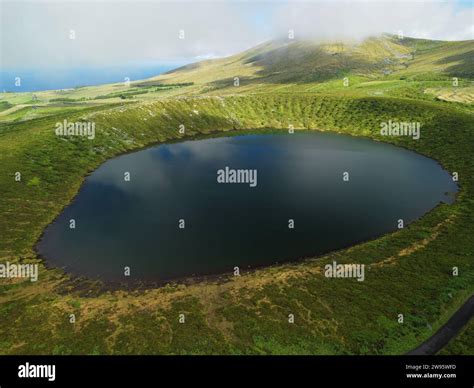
x,y
289,61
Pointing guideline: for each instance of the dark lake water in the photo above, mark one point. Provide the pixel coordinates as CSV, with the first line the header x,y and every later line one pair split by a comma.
x,y
135,223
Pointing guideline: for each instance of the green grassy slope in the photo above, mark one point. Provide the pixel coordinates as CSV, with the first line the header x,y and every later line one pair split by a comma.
x,y
385,65
281,83
305,65
410,271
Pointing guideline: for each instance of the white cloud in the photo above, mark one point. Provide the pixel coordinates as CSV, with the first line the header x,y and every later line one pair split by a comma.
x,y
344,19
110,32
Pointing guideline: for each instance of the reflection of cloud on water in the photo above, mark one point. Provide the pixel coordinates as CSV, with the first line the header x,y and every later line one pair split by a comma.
x,y
205,150
156,170
147,178
174,171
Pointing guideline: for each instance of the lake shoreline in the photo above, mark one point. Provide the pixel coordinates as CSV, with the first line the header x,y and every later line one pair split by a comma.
x,y
217,276
451,139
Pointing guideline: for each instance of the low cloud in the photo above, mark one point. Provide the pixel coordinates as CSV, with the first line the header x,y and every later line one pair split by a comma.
x,y
358,20
37,34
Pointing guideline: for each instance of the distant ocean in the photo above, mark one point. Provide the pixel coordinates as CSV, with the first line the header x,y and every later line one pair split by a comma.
x,y
33,80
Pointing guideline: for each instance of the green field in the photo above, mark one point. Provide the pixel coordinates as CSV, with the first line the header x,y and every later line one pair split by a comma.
x,y
410,272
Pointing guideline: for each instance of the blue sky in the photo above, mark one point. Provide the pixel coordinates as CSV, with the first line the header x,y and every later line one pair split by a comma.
x,y
463,3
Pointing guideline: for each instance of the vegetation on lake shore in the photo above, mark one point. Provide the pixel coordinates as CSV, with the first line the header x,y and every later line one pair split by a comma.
x,y
409,272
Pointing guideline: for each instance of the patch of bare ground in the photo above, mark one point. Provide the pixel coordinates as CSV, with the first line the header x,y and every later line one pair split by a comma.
x,y
436,230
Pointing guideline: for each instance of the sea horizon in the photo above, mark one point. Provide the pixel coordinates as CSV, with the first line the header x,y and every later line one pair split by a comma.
x,y
36,80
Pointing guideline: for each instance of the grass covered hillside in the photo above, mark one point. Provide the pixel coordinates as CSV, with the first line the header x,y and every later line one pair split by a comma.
x,y
378,66
315,66
409,272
